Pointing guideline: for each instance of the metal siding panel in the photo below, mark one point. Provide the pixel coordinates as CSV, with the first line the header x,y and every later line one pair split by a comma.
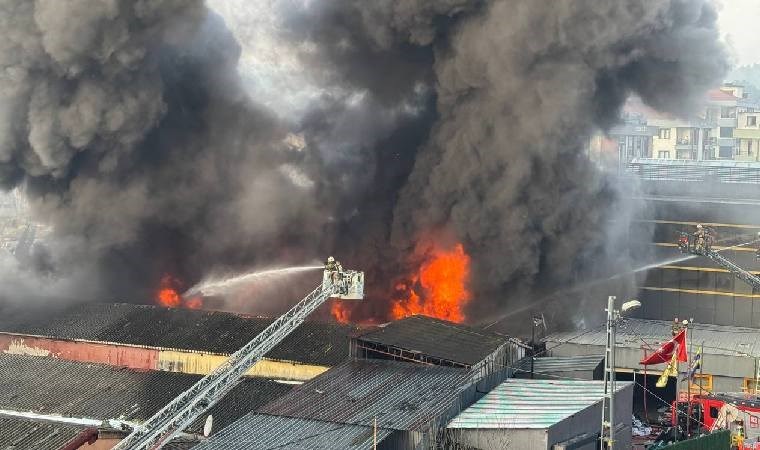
x,y
523,404
742,312
132,357
411,396
724,311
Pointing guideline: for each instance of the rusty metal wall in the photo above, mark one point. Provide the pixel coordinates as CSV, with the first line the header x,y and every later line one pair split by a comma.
x,y
96,352
147,358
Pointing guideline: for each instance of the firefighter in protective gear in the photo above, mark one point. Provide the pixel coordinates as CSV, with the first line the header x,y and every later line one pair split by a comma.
x,y
331,265
757,252
676,328
336,272
700,238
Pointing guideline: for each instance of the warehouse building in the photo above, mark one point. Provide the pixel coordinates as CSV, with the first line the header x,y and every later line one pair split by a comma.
x,y
176,340
408,403
67,391
541,415
728,358
427,340
24,433
259,431
583,367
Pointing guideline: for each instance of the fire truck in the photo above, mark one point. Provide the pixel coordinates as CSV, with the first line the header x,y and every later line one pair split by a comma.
x,y
737,412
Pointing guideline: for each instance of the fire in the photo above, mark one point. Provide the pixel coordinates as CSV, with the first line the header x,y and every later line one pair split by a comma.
x,y
340,312
194,303
168,295
439,289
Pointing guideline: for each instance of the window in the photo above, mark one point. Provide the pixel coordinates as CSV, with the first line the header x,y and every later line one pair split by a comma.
x,y
751,121
749,147
664,154
726,132
701,383
749,386
664,133
714,412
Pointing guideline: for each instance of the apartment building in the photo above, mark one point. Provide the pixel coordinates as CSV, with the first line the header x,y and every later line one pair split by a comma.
x,y
726,128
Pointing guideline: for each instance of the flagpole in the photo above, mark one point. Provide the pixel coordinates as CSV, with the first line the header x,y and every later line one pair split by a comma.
x,y
678,383
688,382
701,364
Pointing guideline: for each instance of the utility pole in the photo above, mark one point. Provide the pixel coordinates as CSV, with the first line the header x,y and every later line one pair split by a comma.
x,y
688,378
607,434
608,400
536,321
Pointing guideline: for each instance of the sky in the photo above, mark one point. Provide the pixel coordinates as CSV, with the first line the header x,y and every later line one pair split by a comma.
x,y
740,26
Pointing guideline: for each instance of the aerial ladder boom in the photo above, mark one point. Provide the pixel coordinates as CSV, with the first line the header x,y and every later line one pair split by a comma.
x,y
688,246
191,404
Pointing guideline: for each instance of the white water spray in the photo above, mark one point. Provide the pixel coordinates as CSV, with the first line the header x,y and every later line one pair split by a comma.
x,y
221,286
553,296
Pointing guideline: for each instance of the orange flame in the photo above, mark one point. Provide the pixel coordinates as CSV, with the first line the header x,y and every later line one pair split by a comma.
x,y
194,303
340,312
167,294
443,281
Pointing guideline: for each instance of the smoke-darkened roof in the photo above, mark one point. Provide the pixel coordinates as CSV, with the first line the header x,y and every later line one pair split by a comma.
x,y
74,389
18,433
209,331
265,431
438,338
402,396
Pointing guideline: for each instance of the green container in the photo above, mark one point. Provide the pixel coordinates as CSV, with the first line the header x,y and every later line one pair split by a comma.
x,y
719,440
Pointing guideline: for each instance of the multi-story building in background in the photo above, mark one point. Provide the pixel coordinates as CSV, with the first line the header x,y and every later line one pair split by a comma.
x,y
726,127
701,169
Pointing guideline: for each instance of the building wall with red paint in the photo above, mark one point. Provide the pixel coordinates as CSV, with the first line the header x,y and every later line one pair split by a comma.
x,y
97,352
148,358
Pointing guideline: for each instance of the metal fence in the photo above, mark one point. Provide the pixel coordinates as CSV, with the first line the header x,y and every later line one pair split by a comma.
x,y
719,440
693,171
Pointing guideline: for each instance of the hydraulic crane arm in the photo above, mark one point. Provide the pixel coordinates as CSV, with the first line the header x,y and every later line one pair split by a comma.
x,y
748,277
191,404
687,246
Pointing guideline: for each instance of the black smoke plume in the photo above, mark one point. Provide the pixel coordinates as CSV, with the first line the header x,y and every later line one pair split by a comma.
x,y
131,131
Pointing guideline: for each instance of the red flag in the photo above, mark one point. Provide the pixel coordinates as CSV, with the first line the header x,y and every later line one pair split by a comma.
x,y
665,352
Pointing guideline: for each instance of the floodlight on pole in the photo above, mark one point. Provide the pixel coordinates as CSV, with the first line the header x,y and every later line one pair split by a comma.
x,y
630,305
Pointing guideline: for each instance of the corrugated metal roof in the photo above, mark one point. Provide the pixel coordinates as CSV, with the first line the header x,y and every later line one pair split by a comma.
x,y
632,333
519,403
264,431
553,364
74,389
438,338
179,328
22,434
402,396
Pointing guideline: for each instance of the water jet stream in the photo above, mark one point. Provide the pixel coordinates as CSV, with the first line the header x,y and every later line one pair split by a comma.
x,y
221,286
550,297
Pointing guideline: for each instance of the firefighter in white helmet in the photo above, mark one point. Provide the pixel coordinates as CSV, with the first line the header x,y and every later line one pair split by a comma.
x,y
332,265
700,238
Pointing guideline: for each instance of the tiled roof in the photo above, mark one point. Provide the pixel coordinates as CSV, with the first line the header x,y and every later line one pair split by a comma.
x,y
75,389
402,396
23,434
210,331
519,403
259,431
632,333
719,95
438,338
